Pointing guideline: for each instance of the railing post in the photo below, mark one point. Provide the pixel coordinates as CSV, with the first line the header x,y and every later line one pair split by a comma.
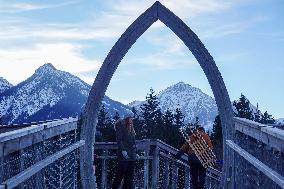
x,y
155,167
174,175
146,169
104,170
186,178
39,175
22,165
166,173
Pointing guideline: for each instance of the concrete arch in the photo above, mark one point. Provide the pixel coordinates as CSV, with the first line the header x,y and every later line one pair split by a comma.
x,y
113,59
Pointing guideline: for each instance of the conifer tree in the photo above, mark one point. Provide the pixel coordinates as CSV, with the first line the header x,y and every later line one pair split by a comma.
x,y
257,115
178,123
196,124
178,118
217,139
135,113
105,127
159,124
266,118
243,108
103,119
168,118
1,120
151,114
116,116
137,124
217,136
189,128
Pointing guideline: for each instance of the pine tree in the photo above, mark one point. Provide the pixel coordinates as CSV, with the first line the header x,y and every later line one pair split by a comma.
x,y
137,124
177,138
102,117
116,116
243,108
1,120
216,135
135,113
257,115
189,128
170,132
217,139
105,127
168,118
196,124
159,124
178,118
266,118
151,114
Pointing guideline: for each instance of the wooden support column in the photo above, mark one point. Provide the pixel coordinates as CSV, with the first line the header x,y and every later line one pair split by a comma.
x,y
22,166
104,170
174,176
146,169
166,174
155,168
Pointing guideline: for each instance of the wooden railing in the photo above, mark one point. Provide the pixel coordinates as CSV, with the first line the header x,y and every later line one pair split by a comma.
x,y
155,168
40,155
45,155
259,155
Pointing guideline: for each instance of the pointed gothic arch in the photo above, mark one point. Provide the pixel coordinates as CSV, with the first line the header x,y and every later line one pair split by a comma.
x,y
113,59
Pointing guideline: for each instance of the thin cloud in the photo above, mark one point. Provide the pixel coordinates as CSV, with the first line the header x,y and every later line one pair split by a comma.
x,y
24,29
21,7
64,56
184,8
106,25
226,29
161,61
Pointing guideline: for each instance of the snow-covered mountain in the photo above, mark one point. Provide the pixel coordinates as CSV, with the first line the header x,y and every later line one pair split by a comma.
x,y
192,102
4,85
49,94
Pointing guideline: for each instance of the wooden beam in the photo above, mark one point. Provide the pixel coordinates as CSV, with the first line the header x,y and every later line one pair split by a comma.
x,y
146,169
270,173
155,167
27,173
22,138
269,135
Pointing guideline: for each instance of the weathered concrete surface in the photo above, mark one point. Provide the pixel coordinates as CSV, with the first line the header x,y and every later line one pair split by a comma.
x,y
113,59
42,155
265,144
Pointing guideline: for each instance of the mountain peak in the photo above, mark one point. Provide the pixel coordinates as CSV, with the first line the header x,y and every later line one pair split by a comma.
x,y
4,84
47,67
180,86
181,83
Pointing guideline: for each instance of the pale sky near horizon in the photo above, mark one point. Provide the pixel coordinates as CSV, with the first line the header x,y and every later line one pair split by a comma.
x,y
245,38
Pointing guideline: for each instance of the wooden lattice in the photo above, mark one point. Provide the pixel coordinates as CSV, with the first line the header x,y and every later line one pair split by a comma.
x,y
203,152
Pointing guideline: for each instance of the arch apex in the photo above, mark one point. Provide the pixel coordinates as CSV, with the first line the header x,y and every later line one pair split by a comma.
x,y
156,12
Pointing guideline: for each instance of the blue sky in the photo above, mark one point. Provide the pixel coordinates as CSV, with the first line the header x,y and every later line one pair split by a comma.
x,y
245,37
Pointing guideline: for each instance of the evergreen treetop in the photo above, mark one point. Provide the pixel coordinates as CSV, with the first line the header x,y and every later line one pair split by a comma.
x,y
266,118
243,109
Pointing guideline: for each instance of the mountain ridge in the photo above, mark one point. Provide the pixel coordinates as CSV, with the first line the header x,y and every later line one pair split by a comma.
x,y
191,100
49,94
4,85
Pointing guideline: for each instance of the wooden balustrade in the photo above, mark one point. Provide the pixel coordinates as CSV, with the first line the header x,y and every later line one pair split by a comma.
x,y
158,164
